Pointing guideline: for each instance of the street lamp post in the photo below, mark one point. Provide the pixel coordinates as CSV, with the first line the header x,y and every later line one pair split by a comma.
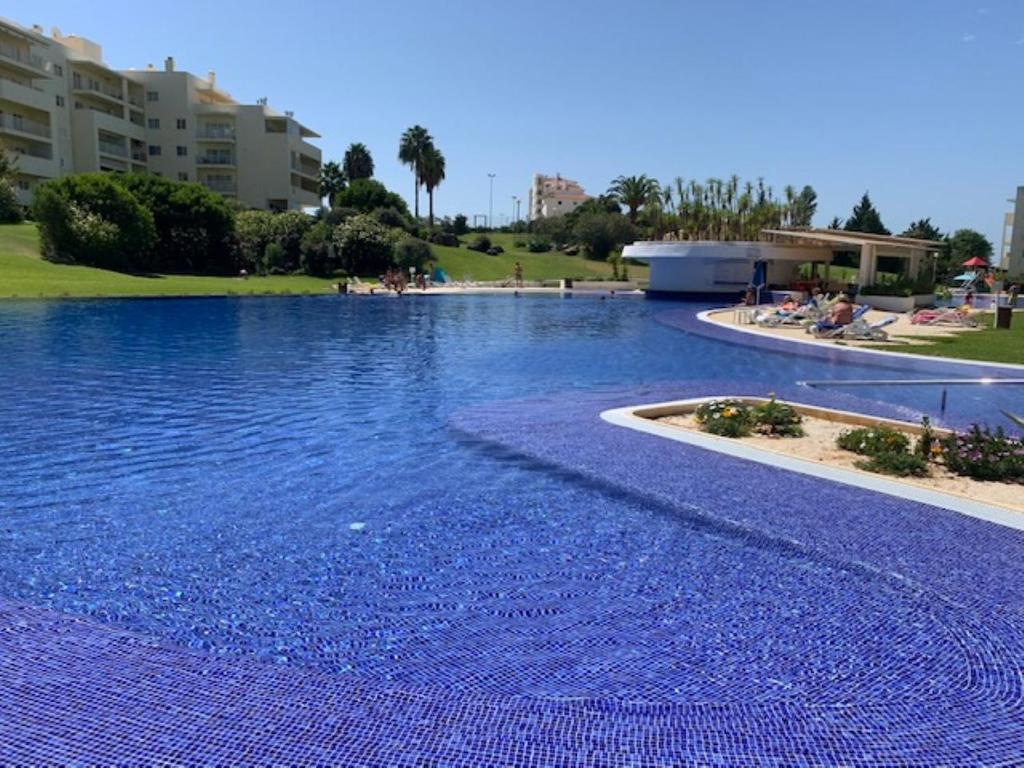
x,y
490,202
515,204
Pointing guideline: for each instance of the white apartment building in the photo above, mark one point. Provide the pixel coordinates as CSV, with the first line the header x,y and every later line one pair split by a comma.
x,y
554,196
62,110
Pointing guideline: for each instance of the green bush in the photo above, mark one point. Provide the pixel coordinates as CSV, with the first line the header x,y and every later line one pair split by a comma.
x,y
518,243
601,233
287,229
91,219
273,260
367,195
364,246
778,419
254,231
194,227
444,238
872,441
481,243
726,418
985,455
316,250
893,463
539,244
412,252
10,208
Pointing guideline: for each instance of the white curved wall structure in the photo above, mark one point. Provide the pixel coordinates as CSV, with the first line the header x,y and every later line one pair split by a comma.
x,y
702,267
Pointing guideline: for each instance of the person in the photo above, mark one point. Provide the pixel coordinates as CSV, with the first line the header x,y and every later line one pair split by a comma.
x,y
842,311
518,274
790,304
969,298
1011,298
749,298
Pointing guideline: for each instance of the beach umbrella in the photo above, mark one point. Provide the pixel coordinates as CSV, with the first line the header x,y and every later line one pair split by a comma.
x,y
966,276
975,262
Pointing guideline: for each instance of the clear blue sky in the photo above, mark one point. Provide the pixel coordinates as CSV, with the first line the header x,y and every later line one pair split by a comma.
x,y
917,101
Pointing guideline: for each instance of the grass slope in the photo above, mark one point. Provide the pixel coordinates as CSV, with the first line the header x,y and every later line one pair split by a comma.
x,y
989,344
24,274
464,264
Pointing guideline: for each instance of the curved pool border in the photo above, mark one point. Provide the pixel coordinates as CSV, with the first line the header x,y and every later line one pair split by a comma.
x,y
699,324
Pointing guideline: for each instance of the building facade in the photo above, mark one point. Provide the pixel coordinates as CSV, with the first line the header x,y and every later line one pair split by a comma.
x,y
62,111
554,196
1011,254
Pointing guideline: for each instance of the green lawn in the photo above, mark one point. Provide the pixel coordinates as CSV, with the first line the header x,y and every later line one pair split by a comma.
x,y
24,274
989,344
464,264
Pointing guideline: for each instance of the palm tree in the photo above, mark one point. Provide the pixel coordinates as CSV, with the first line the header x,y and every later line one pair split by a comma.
x,y
431,175
411,150
634,192
358,162
332,181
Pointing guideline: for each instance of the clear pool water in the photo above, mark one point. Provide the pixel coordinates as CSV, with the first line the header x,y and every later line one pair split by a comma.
x,y
277,479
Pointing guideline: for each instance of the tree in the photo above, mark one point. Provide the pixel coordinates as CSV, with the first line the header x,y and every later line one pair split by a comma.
x,y
966,244
317,249
804,207
635,192
836,223
412,252
366,195
922,229
10,208
254,231
412,148
91,219
600,233
332,181
432,174
358,162
866,219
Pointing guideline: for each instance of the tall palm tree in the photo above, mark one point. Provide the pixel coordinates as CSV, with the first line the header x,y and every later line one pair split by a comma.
x,y
332,181
634,192
411,150
431,175
358,162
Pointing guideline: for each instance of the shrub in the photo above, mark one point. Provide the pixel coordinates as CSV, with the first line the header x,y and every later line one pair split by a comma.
x,y
287,229
195,227
316,250
273,260
254,230
518,243
985,455
872,441
391,217
364,246
893,463
727,418
778,419
495,250
539,244
91,219
444,238
460,224
481,243
412,252
10,208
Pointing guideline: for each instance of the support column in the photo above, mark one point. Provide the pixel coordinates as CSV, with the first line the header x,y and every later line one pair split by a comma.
x,y
866,274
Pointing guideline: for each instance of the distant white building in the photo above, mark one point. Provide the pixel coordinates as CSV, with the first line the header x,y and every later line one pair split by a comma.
x,y
554,196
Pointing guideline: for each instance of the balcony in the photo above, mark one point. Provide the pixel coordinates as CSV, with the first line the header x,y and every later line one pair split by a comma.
x,y
26,95
215,160
139,156
96,88
23,60
110,148
15,123
35,165
309,169
220,185
213,133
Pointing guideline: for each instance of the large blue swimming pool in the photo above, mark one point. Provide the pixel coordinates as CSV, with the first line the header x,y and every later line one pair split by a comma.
x,y
278,481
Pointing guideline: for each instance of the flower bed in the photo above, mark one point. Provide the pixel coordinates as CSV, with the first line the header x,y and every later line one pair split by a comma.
x,y
981,464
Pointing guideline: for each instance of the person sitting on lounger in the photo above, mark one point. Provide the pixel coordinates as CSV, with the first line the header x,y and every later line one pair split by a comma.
x,y
842,312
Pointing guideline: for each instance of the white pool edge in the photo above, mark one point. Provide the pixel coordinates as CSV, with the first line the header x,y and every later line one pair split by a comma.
x,y
626,417
884,353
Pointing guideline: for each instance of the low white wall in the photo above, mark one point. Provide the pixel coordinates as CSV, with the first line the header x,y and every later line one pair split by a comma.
x,y
896,303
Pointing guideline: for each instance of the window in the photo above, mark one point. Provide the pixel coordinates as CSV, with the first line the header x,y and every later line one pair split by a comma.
x,y
60,101
153,123
58,70
182,175
181,123
152,96
182,151
154,150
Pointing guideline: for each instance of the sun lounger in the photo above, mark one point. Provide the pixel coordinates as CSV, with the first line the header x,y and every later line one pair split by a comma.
x,y
823,329
861,330
946,317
